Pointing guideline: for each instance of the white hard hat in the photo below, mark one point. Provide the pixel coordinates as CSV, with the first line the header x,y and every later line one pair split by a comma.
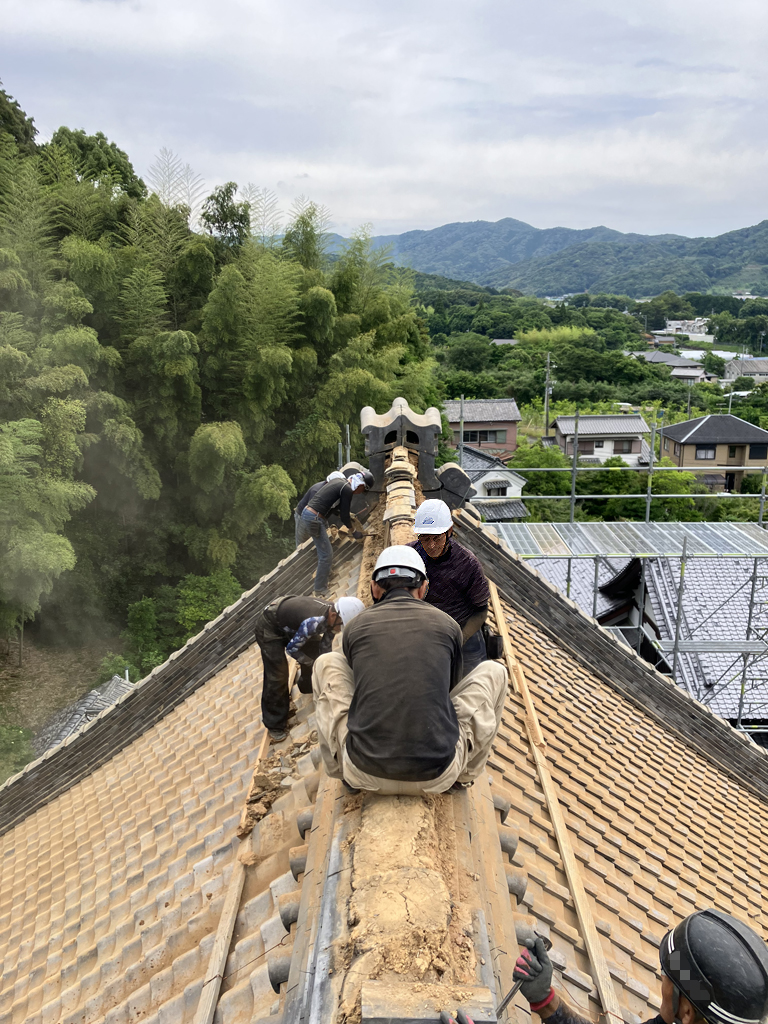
x,y
400,561
335,475
432,516
348,608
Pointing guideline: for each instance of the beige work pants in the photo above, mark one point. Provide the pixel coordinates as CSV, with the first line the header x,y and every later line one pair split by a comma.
x,y
478,701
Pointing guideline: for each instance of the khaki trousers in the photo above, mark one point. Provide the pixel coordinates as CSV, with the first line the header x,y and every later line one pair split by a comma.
x,y
478,701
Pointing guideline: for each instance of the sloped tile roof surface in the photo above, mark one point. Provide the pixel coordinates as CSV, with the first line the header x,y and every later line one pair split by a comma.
x,y
498,511
111,893
746,366
669,358
68,721
715,607
725,429
597,425
583,580
483,410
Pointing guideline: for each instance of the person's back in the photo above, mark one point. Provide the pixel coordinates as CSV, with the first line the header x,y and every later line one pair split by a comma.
x,y
406,658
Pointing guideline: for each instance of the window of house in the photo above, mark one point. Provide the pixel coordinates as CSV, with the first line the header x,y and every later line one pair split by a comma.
x,y
622,446
705,451
666,444
497,492
731,451
758,451
677,448
599,444
485,436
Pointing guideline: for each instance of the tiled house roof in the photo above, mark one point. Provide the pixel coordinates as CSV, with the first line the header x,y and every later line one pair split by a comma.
x,y
599,424
483,410
721,429
116,868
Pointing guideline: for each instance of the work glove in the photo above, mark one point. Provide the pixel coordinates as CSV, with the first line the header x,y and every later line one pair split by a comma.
x,y
534,969
357,534
460,1018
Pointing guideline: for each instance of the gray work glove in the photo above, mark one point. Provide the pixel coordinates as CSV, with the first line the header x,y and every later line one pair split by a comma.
x,y
357,534
534,969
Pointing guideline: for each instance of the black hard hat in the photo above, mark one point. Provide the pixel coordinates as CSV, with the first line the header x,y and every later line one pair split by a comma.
x,y
720,965
368,479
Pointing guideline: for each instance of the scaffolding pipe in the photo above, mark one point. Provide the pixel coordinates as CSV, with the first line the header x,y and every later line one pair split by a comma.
x,y
679,618
745,655
461,432
641,606
649,490
349,447
568,579
762,500
575,466
340,457
594,592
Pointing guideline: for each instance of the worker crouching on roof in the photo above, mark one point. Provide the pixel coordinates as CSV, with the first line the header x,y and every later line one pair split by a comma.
x,y
457,583
714,968
395,713
336,494
302,627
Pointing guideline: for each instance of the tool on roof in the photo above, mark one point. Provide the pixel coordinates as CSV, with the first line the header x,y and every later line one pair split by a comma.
x,y
518,984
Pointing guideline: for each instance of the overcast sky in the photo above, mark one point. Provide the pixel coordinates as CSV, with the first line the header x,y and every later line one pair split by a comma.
x,y
644,115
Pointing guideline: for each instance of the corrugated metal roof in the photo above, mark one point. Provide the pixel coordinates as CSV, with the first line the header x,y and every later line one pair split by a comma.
x,y
588,425
483,410
721,429
644,540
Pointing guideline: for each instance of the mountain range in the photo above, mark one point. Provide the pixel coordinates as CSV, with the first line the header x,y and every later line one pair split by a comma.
x,y
556,261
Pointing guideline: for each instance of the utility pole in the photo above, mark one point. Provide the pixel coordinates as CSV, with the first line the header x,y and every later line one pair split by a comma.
x,y
661,435
340,456
461,433
349,448
730,399
574,470
649,491
690,388
546,401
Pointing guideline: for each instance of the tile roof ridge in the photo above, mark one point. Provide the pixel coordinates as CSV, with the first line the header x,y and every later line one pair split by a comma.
x,y
701,422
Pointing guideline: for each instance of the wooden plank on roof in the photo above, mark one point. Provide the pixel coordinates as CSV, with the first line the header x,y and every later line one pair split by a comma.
x,y
600,971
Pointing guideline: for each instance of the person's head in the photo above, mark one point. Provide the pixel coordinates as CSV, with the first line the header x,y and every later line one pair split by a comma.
x,y
343,610
335,475
715,970
360,482
433,526
399,568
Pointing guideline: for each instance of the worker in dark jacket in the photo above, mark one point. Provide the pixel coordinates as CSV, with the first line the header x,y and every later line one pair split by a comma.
x,y
334,495
457,583
714,967
302,533
395,712
302,627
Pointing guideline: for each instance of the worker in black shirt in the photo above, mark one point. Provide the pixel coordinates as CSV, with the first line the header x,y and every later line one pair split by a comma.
x,y
714,967
302,533
334,495
303,628
393,713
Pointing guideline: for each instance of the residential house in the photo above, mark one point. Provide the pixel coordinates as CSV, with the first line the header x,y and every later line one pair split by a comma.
x,y
724,440
603,436
498,487
757,369
689,370
489,423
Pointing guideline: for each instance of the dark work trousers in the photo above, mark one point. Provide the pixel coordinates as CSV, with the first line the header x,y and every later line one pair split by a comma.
x,y
474,651
275,696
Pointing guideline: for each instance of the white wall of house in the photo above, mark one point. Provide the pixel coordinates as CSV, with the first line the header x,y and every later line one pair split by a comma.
x,y
490,484
629,448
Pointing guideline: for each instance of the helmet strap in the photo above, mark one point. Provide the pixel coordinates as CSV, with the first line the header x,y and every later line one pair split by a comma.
x,y
676,1004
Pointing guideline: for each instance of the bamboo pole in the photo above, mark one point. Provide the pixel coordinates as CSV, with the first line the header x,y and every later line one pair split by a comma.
x,y
600,971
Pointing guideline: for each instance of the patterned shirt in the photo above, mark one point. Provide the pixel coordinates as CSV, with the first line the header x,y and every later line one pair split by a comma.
x,y
314,628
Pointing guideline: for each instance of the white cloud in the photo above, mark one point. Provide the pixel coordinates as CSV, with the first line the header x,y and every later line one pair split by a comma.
x,y
647,115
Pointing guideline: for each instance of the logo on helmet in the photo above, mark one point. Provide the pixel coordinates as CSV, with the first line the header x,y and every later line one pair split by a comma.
x,y
429,521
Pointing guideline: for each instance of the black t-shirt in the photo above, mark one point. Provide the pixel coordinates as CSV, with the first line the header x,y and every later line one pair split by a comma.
x,y
406,658
309,495
337,492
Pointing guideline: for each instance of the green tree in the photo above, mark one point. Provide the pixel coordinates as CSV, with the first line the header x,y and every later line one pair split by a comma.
x,y
95,158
